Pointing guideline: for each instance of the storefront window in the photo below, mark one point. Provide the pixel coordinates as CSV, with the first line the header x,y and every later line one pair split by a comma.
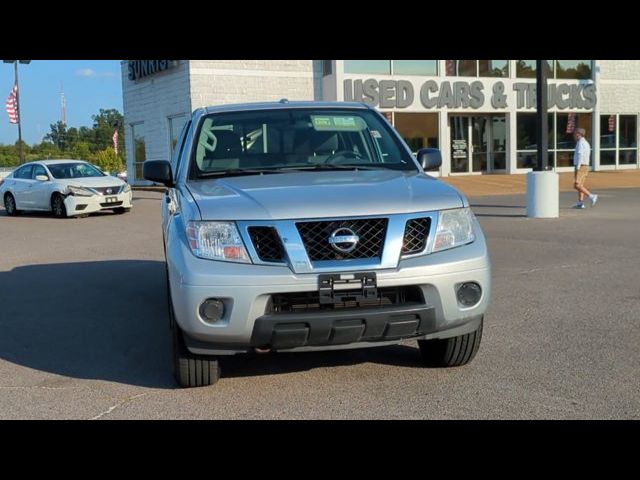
x,y
573,69
368,66
527,69
618,139
526,128
566,124
561,143
462,68
493,68
139,149
628,131
415,67
419,130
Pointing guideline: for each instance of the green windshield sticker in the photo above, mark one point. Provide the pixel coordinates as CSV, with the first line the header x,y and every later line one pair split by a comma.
x,y
335,123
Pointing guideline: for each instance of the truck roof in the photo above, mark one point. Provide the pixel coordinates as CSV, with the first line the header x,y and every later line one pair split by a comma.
x,y
283,104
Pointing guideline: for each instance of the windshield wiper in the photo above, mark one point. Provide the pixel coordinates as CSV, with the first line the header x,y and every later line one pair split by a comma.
x,y
238,171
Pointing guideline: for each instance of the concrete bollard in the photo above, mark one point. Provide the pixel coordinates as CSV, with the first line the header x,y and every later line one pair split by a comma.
x,y
543,194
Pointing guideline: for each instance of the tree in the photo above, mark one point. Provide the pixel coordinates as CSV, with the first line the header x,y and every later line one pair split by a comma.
x,y
58,135
107,160
81,151
104,124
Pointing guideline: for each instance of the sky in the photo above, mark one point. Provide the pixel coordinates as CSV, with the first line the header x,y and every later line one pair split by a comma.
x,y
89,85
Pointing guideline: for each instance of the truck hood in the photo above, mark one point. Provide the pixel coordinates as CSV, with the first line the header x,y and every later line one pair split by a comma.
x,y
297,195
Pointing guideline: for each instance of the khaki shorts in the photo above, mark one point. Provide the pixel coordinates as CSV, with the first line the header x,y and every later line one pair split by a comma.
x,y
581,175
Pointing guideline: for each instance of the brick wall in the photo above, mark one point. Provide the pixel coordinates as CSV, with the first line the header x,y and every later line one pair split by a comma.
x,y
215,82
619,88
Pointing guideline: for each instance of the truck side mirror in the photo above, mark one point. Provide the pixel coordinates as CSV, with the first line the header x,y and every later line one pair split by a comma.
x,y
429,158
158,171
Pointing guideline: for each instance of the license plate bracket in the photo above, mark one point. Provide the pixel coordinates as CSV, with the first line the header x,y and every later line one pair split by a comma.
x,y
343,287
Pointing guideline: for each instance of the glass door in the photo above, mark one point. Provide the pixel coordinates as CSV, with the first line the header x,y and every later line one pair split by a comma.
x,y
480,129
459,135
498,154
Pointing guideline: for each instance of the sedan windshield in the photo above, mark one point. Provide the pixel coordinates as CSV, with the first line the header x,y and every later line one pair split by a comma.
x,y
272,141
74,170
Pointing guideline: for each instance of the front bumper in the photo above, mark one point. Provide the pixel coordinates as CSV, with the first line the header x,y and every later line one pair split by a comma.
x,y
246,290
77,205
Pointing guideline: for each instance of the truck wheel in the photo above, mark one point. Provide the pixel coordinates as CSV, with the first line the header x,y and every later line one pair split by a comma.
x,y
192,370
451,352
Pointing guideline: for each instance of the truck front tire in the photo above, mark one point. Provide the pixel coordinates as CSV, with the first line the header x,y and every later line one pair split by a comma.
x,y
451,352
190,370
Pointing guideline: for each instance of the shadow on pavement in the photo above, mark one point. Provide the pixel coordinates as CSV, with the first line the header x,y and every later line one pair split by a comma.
x,y
283,362
94,320
108,321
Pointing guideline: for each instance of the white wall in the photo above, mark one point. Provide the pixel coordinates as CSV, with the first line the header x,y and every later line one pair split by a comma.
x,y
619,86
153,100
216,82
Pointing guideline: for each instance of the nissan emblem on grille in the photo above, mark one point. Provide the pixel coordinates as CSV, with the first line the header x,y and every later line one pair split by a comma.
x,y
108,191
344,240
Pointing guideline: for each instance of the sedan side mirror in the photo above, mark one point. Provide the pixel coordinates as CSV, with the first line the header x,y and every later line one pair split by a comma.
x,y
158,171
42,178
429,158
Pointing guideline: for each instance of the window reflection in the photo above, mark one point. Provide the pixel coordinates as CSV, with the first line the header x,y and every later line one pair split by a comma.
x,y
415,67
368,66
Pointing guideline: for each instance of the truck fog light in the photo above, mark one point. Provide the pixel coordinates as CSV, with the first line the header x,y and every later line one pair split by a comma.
x,y
469,293
212,310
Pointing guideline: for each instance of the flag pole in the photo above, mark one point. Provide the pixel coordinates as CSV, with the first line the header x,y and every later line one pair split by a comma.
x,y
20,150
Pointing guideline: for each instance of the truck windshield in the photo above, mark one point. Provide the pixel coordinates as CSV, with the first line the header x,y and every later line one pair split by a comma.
x,y
306,139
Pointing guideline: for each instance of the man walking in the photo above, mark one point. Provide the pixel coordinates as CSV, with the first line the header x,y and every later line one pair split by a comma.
x,y
581,159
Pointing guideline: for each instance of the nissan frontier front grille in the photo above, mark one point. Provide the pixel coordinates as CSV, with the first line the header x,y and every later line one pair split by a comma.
x,y
365,238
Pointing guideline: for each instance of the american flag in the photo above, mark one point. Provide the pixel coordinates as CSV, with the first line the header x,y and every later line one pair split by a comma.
x,y
115,141
12,105
571,123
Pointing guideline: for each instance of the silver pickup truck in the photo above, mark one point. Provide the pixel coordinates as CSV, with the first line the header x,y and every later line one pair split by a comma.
x,y
301,226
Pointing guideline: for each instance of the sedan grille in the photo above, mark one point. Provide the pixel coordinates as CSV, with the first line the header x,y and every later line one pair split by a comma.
x,y
416,233
103,190
371,233
267,243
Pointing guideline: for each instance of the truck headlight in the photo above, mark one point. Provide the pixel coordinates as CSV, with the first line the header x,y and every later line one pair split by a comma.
x,y
216,241
455,228
80,191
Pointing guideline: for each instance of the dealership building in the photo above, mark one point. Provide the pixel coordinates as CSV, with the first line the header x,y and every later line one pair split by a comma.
x,y
480,113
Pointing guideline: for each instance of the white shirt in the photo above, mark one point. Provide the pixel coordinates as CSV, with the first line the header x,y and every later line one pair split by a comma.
x,y
582,153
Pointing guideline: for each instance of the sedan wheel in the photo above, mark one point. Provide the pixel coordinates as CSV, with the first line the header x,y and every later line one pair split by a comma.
x,y
10,205
57,206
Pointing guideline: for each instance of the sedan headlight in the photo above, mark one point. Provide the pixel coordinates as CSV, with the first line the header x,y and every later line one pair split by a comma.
x,y
80,191
126,188
455,228
216,241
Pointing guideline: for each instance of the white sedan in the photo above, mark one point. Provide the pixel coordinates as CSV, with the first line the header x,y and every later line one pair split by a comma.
x,y
67,188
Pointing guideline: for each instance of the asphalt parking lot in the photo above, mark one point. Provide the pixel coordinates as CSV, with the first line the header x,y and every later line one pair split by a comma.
x,y
84,330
